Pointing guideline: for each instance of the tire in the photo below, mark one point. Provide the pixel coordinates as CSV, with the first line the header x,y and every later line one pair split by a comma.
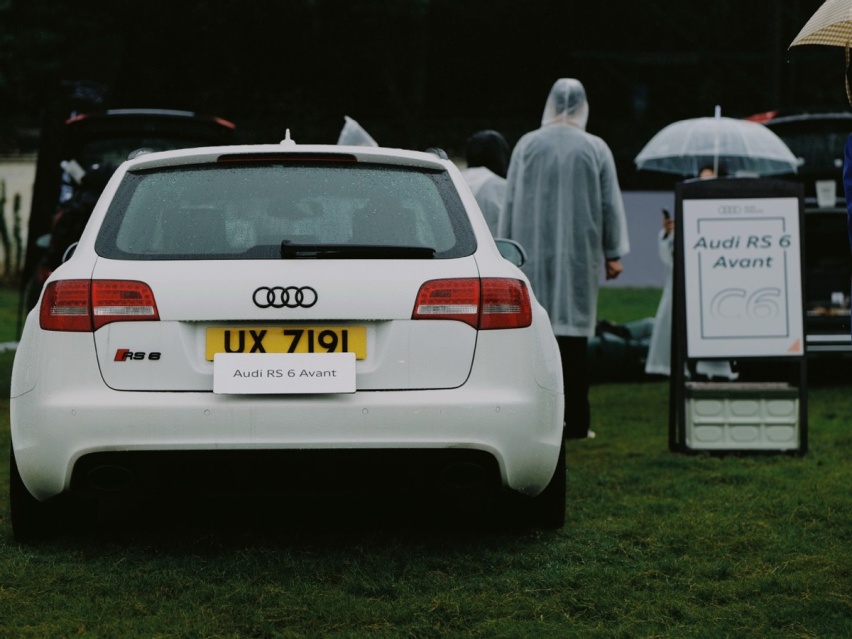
x,y
31,519
547,510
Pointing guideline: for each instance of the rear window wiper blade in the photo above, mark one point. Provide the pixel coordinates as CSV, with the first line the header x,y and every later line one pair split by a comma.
x,y
290,251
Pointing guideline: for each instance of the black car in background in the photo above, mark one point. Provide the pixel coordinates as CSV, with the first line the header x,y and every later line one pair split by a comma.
x,y
81,143
818,140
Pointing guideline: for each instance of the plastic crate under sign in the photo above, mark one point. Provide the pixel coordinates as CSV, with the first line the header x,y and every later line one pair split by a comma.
x,y
742,416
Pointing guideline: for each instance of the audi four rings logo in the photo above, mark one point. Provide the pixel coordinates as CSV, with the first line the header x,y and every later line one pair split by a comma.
x,y
284,297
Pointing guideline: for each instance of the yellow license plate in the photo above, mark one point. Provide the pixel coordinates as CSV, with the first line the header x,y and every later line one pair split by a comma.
x,y
288,339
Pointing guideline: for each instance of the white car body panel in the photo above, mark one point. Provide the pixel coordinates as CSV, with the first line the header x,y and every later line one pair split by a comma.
x,y
425,384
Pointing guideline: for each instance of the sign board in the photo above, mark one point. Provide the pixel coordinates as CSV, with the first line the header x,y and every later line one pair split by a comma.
x,y
737,299
283,373
742,275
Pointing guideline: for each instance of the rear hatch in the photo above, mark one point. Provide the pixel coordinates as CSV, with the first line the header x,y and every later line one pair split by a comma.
x,y
376,297
251,253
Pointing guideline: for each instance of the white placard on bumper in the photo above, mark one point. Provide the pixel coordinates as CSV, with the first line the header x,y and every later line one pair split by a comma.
x,y
280,373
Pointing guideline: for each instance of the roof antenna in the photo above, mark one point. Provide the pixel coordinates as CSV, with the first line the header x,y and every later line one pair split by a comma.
x,y
287,141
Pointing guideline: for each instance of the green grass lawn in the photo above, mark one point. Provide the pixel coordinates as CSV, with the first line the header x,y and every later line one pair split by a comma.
x,y
620,305
656,544
8,315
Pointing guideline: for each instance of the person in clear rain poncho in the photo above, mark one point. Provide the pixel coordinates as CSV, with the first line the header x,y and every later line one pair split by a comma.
x,y
564,205
487,156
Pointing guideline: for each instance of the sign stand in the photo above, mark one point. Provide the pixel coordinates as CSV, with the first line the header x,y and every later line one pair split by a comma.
x,y
738,362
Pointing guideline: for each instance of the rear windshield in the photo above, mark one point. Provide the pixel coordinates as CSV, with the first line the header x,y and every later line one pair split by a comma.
x,y
275,211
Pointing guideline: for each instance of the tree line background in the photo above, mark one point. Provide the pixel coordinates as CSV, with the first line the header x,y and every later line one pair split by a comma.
x,y
416,73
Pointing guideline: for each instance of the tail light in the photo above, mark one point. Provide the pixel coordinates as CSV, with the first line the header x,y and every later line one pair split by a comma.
x,y
86,305
488,303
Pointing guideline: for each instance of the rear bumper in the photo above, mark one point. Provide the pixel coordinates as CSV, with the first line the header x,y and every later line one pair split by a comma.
x,y
523,434
501,410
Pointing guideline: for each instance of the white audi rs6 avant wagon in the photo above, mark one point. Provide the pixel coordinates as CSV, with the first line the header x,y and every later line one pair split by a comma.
x,y
279,317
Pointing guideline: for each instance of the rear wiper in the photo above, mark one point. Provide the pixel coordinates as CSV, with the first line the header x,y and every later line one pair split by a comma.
x,y
290,251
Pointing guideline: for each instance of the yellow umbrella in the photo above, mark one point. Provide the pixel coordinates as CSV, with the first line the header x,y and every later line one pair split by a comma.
x,y
831,24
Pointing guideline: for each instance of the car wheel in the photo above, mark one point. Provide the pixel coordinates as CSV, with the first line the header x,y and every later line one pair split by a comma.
x,y
547,510
31,519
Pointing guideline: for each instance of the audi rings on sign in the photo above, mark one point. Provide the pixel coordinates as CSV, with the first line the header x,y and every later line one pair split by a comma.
x,y
284,297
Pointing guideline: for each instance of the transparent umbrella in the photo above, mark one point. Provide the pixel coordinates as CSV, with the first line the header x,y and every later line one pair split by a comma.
x,y
685,147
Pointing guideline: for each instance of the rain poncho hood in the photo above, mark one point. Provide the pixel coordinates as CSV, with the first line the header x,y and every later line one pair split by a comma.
x,y
566,104
564,206
353,134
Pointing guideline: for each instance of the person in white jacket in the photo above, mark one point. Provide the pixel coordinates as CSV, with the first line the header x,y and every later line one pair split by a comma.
x,y
487,156
564,206
658,361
